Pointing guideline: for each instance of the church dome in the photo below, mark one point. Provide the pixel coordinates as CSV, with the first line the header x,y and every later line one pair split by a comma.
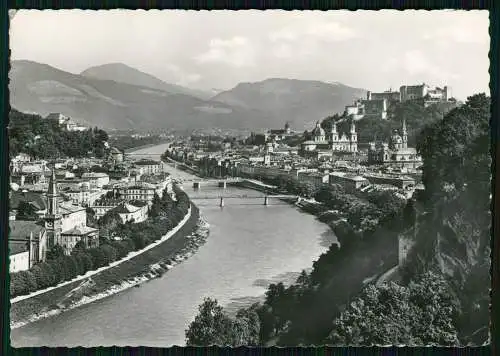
x,y
318,130
396,138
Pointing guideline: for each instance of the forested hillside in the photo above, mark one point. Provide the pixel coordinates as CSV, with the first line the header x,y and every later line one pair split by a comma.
x,y
439,296
44,138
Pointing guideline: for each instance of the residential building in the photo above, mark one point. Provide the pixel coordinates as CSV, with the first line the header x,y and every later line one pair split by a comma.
x,y
83,196
315,178
129,212
96,179
350,182
149,166
139,191
402,182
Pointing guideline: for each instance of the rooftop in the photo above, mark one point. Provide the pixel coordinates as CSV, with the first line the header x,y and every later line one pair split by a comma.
x,y
21,230
37,199
94,175
82,230
69,208
149,162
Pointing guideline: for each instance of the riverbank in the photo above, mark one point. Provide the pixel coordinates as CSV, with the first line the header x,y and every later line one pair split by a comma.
x,y
142,147
152,263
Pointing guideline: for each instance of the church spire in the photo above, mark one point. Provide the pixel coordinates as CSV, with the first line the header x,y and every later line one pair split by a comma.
x,y
52,184
52,195
405,135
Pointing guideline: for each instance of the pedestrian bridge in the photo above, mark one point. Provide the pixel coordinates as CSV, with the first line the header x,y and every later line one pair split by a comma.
x,y
244,199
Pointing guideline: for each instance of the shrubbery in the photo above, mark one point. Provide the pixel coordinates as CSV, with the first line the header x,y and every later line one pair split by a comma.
x,y
59,268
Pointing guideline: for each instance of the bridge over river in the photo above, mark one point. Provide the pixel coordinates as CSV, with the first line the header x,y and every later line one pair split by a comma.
x,y
244,199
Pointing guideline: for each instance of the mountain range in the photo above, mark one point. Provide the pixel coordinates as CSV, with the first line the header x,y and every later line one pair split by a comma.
x,y
116,96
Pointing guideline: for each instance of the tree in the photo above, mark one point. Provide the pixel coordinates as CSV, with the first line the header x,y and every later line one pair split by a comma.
x,y
55,252
420,314
246,328
210,327
80,245
26,211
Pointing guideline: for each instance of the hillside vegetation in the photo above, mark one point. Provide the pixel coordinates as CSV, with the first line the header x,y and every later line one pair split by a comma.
x,y
44,138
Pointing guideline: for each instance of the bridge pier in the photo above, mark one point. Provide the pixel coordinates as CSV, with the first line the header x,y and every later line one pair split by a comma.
x,y
196,185
266,200
222,184
221,203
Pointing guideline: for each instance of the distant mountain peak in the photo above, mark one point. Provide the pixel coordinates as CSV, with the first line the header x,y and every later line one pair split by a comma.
x,y
117,96
123,73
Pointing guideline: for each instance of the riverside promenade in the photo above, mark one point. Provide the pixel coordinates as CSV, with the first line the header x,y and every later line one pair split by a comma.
x,y
111,265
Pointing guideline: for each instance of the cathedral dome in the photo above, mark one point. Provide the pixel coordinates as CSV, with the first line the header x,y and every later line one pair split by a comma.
x,y
318,130
396,138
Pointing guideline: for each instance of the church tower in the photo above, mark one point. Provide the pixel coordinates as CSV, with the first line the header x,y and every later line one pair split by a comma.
x,y
334,134
287,128
353,138
405,135
52,217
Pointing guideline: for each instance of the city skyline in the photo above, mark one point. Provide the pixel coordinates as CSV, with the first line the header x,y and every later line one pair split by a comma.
x,y
359,49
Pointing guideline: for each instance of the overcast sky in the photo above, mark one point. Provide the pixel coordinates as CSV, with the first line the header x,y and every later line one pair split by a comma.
x,y
374,50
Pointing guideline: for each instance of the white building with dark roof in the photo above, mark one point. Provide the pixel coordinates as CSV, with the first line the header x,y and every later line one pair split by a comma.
x,y
129,212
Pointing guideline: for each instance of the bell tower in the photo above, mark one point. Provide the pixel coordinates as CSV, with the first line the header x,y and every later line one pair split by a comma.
x,y
405,135
334,134
353,138
52,217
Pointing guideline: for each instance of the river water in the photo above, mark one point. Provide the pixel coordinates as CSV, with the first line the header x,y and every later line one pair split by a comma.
x,y
249,246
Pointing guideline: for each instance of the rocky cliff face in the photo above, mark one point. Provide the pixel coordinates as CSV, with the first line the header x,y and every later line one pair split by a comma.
x,y
454,239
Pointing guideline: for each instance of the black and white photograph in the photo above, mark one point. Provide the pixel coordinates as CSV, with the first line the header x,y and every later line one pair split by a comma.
x,y
249,178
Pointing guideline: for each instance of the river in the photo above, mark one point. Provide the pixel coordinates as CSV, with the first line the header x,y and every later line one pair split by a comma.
x,y
250,245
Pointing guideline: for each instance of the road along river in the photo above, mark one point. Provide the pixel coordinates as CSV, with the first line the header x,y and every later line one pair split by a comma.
x,y
250,245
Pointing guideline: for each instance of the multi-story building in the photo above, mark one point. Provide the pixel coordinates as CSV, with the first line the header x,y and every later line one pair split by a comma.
x,y
128,212
149,166
315,178
350,182
397,181
96,179
66,224
83,196
139,191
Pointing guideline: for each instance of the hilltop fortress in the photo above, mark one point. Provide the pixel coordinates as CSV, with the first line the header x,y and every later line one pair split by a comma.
x,y
377,104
